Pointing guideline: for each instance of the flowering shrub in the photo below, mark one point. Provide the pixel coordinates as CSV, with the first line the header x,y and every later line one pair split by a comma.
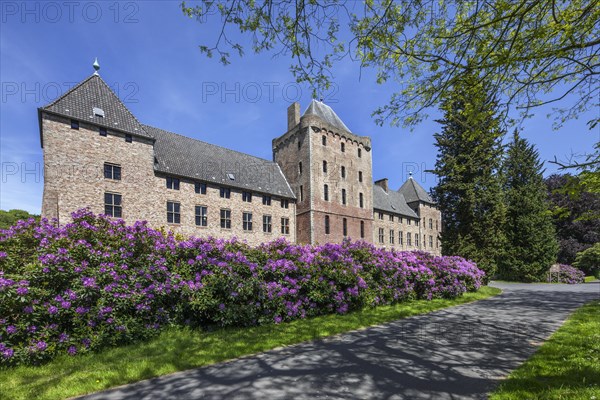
x,y
566,274
96,283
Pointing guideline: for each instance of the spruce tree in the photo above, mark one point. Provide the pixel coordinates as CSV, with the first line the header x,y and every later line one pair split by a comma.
x,y
469,190
532,245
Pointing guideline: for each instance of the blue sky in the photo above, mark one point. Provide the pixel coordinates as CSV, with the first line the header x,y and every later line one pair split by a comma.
x,y
148,52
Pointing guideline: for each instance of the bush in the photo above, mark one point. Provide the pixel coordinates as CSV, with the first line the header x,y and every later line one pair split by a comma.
x,y
589,261
566,274
96,283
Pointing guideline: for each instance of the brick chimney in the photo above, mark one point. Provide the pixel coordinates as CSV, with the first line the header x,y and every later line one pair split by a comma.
x,y
383,183
293,115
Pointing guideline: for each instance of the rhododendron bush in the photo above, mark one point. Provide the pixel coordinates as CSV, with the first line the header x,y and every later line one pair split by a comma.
x,y
97,282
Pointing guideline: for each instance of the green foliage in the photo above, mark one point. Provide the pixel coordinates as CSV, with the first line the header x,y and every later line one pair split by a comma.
x,y
525,48
10,218
532,245
574,214
589,260
469,192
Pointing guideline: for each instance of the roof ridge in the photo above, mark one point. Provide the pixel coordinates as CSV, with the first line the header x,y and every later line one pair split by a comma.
x,y
68,92
210,144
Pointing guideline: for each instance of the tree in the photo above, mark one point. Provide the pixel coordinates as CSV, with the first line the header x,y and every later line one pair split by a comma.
x,y
531,238
588,260
531,52
9,218
574,215
469,192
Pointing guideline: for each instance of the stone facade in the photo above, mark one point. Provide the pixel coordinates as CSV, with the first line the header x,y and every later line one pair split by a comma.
x,y
320,180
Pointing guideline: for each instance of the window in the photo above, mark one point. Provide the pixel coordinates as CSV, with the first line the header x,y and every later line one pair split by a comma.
x,y
391,218
128,138
343,148
112,171
173,212
359,153
324,166
299,144
345,227
360,176
380,215
381,235
416,240
408,221
285,226
201,216
300,168
400,219
417,221
344,196
391,236
326,192
266,200
362,229
285,203
430,242
400,238
200,187
408,239
436,225
225,218
424,241
103,131
247,197
74,124
112,205
361,201
225,193
301,193
343,172
247,221
327,225
172,183
267,224
324,140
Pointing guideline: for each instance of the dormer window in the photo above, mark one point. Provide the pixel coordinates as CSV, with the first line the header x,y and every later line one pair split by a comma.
x,y
74,124
98,112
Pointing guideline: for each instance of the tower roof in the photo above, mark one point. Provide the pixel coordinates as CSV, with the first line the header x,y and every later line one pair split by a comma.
x,y
93,101
412,192
326,113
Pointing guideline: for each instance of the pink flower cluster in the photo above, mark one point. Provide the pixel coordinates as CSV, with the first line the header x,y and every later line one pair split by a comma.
x,y
97,282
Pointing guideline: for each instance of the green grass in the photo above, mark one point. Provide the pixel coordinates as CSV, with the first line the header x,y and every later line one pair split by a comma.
x,y
590,279
181,349
567,366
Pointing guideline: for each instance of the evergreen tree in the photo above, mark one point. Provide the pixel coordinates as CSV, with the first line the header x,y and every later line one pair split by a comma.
x,y
469,190
532,245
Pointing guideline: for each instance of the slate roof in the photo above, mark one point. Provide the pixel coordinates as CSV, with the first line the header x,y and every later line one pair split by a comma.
x,y
190,158
326,113
412,192
392,202
79,103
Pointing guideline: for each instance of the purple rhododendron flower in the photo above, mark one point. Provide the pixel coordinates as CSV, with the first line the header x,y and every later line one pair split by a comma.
x,y
11,329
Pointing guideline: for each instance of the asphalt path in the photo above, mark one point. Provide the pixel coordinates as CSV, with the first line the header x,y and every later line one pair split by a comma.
x,y
456,353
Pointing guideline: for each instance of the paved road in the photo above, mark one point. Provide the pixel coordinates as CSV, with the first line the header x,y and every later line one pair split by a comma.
x,y
456,353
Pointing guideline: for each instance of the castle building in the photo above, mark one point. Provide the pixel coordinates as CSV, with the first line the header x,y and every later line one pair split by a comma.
x,y
317,189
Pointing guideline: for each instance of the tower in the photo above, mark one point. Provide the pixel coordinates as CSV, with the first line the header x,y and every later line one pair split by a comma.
x,y
330,170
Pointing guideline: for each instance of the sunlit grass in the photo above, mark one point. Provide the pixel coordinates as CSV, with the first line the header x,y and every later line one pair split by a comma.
x,y
181,349
567,366
590,278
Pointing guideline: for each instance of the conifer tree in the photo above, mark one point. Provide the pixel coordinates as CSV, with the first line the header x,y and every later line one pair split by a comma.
x,y
469,190
532,245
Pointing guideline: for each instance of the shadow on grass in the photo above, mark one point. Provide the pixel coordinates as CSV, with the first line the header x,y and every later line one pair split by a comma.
x,y
178,349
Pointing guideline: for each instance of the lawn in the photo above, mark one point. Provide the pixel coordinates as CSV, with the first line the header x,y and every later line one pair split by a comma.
x,y
567,366
181,349
590,279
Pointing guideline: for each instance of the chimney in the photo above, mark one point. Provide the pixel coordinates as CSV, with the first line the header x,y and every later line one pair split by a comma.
x,y
293,115
383,183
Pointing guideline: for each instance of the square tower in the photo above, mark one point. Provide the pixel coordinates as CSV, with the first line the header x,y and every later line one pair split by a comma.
x,y
330,170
